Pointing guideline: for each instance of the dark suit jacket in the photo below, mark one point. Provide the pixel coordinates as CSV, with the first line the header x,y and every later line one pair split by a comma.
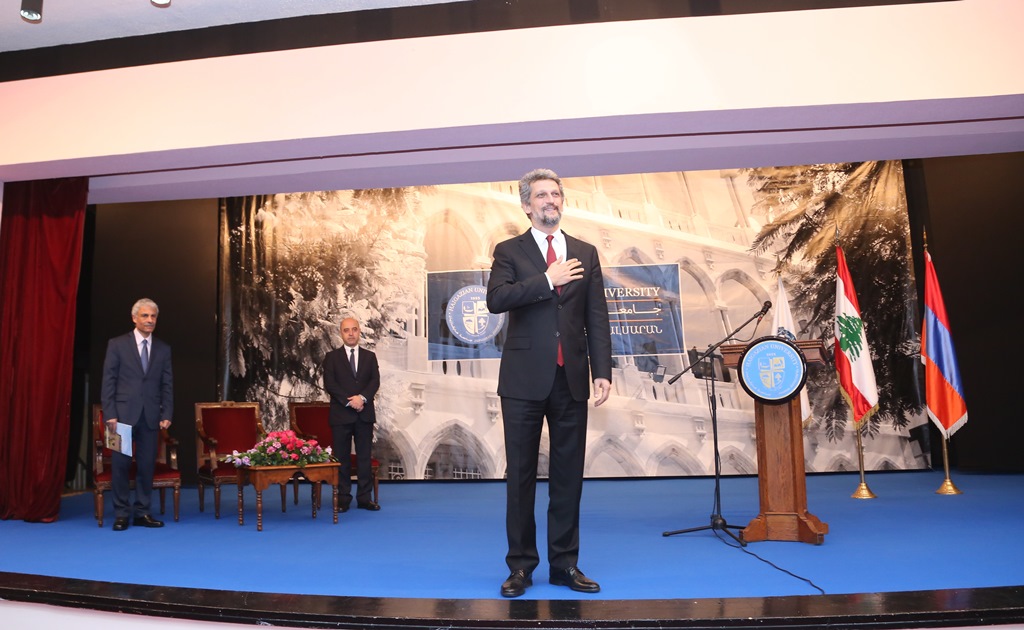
x,y
341,384
126,392
538,317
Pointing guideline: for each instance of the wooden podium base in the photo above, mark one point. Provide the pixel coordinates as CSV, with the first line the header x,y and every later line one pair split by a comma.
x,y
781,480
785,526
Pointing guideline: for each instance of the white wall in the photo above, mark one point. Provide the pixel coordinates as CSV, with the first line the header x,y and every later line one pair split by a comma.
x,y
881,82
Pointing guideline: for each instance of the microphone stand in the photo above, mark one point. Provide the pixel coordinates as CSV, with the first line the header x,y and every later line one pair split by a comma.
x,y
718,522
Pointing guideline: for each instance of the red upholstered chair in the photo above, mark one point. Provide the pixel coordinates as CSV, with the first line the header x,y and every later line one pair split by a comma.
x,y
310,420
223,427
166,474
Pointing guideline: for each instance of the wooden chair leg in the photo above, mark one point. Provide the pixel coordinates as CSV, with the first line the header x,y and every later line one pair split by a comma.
x,y
177,501
216,499
98,507
202,497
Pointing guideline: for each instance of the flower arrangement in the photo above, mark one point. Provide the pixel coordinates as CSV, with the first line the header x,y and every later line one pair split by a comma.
x,y
281,448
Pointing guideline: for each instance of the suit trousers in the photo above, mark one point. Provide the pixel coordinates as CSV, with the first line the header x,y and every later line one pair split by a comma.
x,y
567,429
146,440
343,435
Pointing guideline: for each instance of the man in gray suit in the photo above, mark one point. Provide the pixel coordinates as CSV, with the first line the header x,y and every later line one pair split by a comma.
x,y
551,286
137,390
352,378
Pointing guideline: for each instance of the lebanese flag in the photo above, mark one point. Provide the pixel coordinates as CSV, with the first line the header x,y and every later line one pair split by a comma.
x,y
853,357
944,392
783,326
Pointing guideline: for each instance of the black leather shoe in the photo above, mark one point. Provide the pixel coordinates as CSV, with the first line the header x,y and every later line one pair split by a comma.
x,y
120,523
574,579
516,583
147,521
343,508
368,505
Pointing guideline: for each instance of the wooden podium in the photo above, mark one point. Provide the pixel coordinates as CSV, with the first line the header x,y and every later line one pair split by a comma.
x,y
781,480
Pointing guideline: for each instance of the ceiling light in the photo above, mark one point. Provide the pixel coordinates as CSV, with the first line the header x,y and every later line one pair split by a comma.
x,y
161,3
32,10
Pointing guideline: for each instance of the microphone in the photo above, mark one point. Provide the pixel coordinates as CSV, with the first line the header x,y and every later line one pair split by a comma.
x,y
764,310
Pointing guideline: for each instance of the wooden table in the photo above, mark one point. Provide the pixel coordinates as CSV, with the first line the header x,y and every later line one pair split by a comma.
x,y
261,477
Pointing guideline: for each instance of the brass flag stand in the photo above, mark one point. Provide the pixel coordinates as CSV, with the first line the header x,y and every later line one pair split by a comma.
x,y
863,491
948,412
947,487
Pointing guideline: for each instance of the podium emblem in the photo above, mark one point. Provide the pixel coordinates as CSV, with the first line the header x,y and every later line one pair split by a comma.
x,y
772,370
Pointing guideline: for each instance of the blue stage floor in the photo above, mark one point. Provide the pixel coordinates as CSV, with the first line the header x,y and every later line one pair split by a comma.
x,y
445,540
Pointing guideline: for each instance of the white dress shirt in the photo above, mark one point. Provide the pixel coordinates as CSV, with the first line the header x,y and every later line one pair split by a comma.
x,y
138,343
558,242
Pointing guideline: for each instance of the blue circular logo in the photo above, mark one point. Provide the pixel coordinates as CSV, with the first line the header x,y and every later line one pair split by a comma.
x,y
772,370
468,318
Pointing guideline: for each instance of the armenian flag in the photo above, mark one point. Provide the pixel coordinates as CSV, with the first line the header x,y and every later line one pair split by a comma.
x,y
944,392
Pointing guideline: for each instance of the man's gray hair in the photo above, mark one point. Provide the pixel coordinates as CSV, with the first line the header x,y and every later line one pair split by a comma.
x,y
144,302
534,176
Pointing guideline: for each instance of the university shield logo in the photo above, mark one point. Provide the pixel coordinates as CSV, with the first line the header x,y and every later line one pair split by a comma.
x,y
468,318
475,316
772,370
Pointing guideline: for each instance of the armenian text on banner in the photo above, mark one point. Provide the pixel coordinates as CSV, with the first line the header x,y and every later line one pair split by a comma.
x,y
644,310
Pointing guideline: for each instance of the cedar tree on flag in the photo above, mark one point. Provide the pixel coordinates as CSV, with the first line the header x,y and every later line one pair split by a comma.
x,y
783,326
853,357
944,392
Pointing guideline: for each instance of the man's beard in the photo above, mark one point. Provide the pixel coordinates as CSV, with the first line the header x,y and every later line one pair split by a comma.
x,y
548,220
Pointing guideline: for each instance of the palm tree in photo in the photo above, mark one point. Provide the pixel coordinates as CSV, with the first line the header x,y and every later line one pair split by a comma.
x,y
298,264
862,207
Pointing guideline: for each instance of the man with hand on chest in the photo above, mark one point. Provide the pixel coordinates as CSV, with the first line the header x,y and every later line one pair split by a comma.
x,y
551,286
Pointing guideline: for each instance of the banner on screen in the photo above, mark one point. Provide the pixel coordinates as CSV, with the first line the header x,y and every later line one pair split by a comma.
x,y
643,310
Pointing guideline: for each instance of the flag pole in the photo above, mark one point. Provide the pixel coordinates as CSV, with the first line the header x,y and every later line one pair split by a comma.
x,y
947,487
863,491
855,374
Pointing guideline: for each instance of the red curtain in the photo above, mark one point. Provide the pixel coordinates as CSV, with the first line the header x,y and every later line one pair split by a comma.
x,y
40,257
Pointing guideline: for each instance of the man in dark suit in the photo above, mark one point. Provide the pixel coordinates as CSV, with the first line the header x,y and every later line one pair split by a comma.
x,y
352,378
551,286
137,390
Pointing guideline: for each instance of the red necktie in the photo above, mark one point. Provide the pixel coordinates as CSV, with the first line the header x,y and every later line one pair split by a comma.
x,y
551,259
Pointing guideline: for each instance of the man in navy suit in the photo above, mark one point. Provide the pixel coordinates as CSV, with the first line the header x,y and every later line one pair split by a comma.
x,y
352,378
137,390
551,286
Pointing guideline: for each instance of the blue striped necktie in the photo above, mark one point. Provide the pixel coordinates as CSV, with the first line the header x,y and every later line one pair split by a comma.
x,y
145,356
